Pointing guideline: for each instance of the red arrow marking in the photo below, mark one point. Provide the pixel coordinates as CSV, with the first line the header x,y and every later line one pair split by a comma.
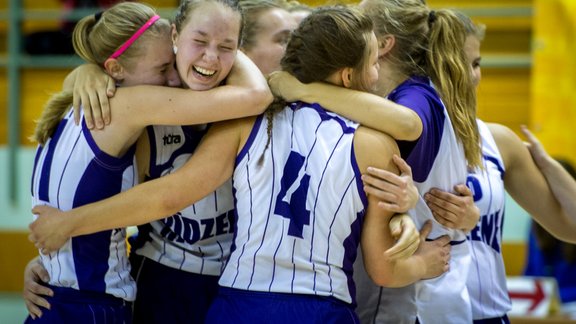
x,y
536,296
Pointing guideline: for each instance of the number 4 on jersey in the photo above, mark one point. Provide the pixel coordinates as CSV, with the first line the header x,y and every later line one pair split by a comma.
x,y
291,200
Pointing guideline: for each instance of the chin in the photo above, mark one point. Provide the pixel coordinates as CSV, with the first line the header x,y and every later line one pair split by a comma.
x,y
201,87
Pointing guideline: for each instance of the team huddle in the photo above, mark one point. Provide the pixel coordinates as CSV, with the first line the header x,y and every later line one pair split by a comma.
x,y
329,168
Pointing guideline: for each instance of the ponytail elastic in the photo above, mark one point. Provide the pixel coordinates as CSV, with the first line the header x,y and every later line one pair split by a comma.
x,y
98,15
431,17
134,37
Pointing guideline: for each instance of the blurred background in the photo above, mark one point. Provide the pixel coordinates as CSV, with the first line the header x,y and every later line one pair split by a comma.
x,y
528,77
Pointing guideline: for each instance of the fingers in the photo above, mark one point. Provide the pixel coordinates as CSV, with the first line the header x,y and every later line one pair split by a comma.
x,y
445,206
93,106
402,251
281,85
534,145
436,256
38,209
87,112
402,165
383,192
444,257
272,76
396,192
386,191
406,245
111,87
443,240
383,179
76,107
407,237
463,190
531,138
40,272
395,226
34,301
445,219
425,230
33,291
442,210
104,107
33,310
391,207
441,198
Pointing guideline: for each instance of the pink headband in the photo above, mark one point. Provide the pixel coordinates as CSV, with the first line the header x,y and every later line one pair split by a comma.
x,y
134,37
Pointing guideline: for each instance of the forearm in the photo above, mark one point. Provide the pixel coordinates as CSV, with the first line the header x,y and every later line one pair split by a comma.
x,y
562,185
369,110
186,107
392,274
245,75
375,241
209,167
408,271
139,205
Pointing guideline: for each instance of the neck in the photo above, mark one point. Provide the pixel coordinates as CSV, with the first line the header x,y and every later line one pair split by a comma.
x,y
390,78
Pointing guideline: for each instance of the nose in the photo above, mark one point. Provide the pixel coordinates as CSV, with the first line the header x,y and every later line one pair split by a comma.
x,y
211,54
173,78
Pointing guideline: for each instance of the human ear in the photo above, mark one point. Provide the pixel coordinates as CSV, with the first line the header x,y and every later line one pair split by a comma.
x,y
385,44
346,75
174,36
114,69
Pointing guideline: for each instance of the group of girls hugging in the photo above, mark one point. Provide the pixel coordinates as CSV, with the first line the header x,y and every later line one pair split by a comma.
x,y
283,164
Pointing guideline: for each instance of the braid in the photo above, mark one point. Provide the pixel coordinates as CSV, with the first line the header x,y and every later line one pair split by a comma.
x,y
277,105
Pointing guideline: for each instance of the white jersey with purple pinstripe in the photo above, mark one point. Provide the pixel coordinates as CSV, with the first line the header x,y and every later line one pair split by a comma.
x,y
196,239
70,171
441,164
487,278
299,204
437,161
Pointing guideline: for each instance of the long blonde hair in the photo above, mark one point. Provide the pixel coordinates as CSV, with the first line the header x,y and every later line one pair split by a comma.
x,y
95,38
431,43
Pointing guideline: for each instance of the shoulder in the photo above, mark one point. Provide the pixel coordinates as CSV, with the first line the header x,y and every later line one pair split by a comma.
x,y
414,89
240,125
236,129
373,148
509,144
420,97
502,135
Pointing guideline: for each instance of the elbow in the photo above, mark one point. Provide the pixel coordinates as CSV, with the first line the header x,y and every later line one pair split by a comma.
x,y
382,277
262,98
382,281
387,281
413,125
392,277
169,205
569,238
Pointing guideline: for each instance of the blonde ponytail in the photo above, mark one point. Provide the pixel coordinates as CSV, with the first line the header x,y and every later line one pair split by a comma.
x,y
52,114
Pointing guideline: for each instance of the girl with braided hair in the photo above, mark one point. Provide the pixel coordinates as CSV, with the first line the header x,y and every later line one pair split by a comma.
x,y
423,67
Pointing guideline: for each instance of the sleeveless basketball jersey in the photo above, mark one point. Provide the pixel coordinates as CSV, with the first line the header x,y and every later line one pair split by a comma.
x,y
70,171
487,277
437,160
300,206
196,239
442,165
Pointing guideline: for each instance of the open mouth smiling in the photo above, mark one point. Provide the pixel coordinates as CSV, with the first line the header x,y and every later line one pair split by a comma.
x,y
204,72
